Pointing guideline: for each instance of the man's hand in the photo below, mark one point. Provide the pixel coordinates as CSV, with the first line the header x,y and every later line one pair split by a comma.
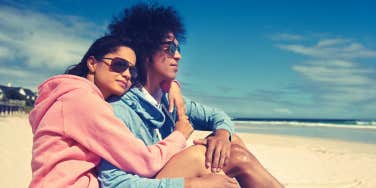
x,y
218,149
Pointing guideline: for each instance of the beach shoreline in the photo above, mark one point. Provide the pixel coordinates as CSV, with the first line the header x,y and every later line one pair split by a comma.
x,y
296,161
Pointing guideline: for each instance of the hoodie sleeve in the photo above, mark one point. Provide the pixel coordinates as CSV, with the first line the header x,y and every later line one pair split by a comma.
x,y
90,121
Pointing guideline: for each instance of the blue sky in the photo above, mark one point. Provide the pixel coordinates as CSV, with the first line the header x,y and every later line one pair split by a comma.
x,y
298,59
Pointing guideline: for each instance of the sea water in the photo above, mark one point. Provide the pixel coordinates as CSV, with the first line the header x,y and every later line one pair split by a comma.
x,y
340,129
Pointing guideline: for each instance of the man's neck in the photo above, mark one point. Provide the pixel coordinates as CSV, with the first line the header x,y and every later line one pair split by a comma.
x,y
152,87
153,83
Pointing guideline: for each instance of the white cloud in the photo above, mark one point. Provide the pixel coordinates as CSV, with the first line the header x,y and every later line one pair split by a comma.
x,y
331,42
337,78
23,77
338,63
335,73
340,81
282,110
4,52
286,37
336,48
40,40
12,72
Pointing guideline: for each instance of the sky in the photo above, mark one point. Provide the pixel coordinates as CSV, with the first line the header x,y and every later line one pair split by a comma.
x,y
260,59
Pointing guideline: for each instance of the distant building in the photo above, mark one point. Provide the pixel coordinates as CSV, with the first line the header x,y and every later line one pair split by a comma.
x,y
2,95
16,95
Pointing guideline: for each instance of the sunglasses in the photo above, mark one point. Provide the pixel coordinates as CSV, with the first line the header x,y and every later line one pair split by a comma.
x,y
120,65
172,48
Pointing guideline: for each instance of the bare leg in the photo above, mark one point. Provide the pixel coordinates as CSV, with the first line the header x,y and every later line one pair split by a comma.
x,y
237,140
242,165
248,170
188,163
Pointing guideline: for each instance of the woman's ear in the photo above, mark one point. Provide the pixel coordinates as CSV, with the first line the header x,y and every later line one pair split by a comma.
x,y
91,64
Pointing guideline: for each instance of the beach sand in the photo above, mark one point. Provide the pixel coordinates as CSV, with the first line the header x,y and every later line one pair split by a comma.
x,y
298,162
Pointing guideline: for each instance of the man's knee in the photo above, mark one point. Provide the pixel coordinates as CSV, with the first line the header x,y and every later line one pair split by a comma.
x,y
237,140
239,154
241,160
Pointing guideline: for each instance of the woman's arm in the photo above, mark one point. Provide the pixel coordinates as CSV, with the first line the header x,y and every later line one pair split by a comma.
x,y
175,97
91,122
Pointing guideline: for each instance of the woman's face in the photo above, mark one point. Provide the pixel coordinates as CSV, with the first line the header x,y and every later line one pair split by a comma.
x,y
107,78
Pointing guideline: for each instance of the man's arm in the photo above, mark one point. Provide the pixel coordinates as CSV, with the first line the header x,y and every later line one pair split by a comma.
x,y
208,118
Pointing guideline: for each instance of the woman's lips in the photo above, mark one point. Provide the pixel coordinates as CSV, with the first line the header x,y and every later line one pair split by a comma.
x,y
122,83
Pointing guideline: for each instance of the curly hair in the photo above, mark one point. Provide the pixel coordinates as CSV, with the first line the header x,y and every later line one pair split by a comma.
x,y
146,25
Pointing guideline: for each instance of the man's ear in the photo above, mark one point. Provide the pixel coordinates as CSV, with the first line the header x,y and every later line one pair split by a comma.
x,y
91,64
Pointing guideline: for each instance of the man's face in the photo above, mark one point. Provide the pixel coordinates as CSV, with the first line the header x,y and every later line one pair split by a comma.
x,y
165,63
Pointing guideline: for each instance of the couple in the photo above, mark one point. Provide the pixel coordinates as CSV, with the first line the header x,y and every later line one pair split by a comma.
x,y
138,142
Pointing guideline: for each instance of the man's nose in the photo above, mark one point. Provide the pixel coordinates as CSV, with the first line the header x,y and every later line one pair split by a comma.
x,y
177,55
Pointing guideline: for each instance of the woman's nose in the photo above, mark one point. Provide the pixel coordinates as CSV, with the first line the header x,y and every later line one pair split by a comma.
x,y
126,74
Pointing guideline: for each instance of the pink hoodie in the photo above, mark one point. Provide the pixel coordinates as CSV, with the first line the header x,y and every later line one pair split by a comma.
x,y
74,128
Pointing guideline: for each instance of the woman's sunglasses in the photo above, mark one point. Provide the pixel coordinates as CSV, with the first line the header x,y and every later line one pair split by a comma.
x,y
172,48
120,65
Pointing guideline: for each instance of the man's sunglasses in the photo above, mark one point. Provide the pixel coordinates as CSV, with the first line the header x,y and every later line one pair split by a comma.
x,y
172,48
120,65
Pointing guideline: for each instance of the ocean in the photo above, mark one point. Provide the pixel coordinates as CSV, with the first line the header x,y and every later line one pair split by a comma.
x,y
339,129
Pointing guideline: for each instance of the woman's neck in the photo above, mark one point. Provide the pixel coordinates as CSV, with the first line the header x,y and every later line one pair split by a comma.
x,y
90,77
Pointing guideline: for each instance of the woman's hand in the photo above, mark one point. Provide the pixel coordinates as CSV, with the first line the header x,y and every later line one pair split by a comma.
x,y
184,126
175,99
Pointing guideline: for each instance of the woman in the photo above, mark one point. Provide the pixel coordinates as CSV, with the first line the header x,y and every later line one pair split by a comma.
x,y
74,127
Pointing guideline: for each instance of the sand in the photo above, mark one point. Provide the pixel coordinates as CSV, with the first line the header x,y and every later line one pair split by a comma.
x,y
15,152
298,162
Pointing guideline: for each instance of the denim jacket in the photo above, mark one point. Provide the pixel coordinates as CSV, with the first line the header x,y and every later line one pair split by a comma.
x,y
143,118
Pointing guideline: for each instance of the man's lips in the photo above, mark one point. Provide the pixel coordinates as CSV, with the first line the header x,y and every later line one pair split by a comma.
x,y
175,66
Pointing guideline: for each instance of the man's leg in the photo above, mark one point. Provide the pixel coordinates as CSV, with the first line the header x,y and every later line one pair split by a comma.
x,y
244,166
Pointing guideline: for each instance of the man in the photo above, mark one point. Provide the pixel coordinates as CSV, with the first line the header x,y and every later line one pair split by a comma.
x,y
156,32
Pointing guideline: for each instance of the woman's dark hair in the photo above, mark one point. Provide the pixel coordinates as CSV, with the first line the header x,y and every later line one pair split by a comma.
x,y
147,24
101,47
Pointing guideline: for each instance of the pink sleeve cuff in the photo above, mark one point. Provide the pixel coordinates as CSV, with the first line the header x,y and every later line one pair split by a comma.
x,y
177,138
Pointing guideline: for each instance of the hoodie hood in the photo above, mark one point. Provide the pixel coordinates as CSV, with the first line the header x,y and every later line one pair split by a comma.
x,y
52,89
135,99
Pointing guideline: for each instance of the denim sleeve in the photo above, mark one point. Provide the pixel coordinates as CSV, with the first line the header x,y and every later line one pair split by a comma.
x,y
208,118
110,176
